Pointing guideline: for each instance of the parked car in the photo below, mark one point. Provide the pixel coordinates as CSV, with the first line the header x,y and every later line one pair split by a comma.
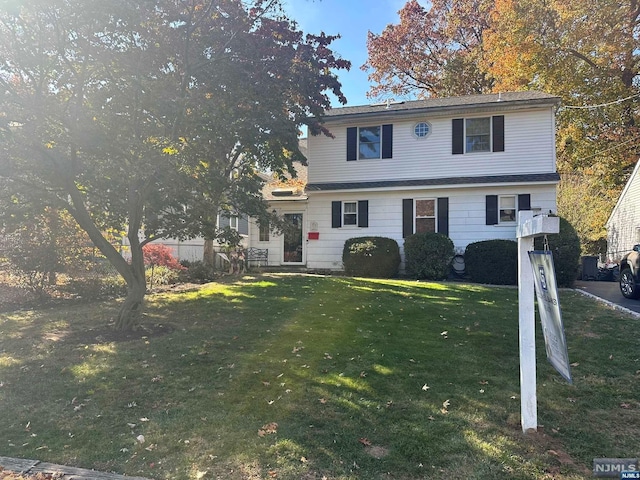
x,y
630,273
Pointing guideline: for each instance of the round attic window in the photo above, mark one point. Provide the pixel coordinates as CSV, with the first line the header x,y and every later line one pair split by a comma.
x,y
421,129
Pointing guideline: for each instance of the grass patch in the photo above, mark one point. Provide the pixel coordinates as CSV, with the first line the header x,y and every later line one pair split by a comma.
x,y
289,377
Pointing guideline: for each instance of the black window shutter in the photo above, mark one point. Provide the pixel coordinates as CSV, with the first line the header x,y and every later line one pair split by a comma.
x,y
498,133
524,202
492,209
387,141
443,215
407,217
457,145
352,143
363,213
336,214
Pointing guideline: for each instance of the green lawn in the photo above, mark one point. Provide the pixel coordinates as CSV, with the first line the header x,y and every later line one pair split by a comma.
x,y
305,377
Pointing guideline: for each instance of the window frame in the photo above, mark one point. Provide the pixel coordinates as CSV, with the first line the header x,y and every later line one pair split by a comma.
x,y
501,209
425,135
353,214
489,135
379,143
264,232
434,216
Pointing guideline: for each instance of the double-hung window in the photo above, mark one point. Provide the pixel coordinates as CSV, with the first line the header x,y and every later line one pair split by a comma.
x,y
350,213
364,143
425,215
369,142
507,208
478,135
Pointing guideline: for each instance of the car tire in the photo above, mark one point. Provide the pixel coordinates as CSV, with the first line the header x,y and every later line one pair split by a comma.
x,y
628,285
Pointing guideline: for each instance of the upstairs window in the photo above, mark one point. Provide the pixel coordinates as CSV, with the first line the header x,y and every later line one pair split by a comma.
x,y
478,135
369,143
472,135
364,143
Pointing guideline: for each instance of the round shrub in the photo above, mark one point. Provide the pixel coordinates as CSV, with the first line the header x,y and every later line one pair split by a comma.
x,y
428,255
565,247
492,261
371,257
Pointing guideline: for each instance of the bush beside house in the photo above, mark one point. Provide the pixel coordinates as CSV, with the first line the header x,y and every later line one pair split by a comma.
x,y
492,261
428,255
371,257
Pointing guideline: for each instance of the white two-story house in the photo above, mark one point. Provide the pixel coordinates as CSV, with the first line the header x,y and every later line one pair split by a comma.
x,y
460,166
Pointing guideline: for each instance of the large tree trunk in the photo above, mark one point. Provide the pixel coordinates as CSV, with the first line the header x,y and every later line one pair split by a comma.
x,y
133,305
209,254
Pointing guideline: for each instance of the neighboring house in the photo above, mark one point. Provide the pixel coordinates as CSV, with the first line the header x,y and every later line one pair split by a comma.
x,y
460,166
623,226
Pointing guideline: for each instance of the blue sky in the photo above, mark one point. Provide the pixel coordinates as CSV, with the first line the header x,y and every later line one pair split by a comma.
x,y
352,19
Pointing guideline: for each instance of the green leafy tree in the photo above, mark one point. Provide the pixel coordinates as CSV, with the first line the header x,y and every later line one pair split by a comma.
x,y
152,115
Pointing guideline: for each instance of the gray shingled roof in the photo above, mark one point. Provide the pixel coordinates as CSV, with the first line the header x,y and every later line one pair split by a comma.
x,y
530,178
527,98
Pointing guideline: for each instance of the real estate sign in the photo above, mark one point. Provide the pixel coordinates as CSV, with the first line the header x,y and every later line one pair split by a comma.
x,y
549,309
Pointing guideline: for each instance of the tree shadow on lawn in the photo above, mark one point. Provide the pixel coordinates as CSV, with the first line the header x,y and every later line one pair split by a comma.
x,y
344,381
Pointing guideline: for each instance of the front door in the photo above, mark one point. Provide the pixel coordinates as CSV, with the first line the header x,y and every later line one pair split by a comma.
x,y
293,239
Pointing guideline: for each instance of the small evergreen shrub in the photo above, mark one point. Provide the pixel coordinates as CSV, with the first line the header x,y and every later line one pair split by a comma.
x,y
371,257
492,261
565,247
428,255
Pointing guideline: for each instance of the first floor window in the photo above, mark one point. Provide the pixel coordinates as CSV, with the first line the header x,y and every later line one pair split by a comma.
x,y
233,222
425,215
350,213
507,208
264,232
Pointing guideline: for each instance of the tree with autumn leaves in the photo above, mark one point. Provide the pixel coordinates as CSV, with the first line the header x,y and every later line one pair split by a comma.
x,y
583,51
152,115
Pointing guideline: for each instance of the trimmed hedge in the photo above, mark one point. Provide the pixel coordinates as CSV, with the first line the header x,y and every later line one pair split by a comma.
x,y
565,247
492,261
371,257
428,255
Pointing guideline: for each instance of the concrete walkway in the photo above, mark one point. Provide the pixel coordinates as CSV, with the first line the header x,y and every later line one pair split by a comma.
x,y
31,467
609,293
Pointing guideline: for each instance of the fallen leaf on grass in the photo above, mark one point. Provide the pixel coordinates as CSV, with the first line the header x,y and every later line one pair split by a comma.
x,y
425,387
268,429
445,406
625,405
322,400
365,441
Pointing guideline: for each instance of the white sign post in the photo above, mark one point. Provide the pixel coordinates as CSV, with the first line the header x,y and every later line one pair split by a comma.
x,y
529,227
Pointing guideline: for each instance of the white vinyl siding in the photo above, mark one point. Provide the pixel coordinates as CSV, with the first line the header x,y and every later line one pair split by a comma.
x,y
623,226
467,217
529,148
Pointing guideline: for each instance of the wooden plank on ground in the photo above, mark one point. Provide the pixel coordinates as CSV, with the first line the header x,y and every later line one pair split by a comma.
x,y
17,465
69,473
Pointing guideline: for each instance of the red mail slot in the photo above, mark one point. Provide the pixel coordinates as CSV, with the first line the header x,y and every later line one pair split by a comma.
x,y
314,235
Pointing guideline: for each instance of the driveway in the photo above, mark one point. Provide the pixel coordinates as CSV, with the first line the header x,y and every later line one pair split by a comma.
x,y
610,292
